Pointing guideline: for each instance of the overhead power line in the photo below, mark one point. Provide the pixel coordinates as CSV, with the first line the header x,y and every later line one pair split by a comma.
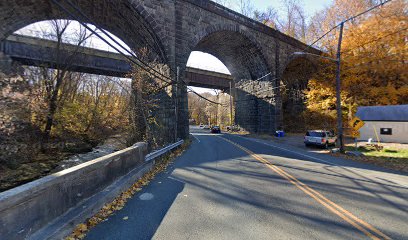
x,y
102,30
124,48
108,35
366,11
375,40
107,42
153,35
208,100
320,38
140,62
83,15
344,21
375,60
264,76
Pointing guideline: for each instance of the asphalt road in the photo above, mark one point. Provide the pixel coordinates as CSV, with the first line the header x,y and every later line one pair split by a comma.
x,y
230,187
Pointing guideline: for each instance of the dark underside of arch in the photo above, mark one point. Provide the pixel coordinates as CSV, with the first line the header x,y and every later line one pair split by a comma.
x,y
242,58
295,78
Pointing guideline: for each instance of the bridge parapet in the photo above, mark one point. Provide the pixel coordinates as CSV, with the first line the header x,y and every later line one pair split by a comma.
x,y
26,210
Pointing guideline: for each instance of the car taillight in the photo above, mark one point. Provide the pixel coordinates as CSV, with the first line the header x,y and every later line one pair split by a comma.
x,y
323,140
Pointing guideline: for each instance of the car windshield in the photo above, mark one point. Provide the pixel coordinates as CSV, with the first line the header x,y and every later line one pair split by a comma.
x,y
317,134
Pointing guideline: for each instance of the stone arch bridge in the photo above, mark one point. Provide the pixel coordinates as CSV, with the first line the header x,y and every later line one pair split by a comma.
x,y
257,56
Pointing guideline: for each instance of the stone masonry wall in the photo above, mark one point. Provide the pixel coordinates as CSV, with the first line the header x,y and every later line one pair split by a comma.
x,y
255,106
15,128
175,28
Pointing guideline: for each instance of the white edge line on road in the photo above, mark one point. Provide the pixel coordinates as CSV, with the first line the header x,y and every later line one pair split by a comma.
x,y
196,138
285,149
315,158
175,179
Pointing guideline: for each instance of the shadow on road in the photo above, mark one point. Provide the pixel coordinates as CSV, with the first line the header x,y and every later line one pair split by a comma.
x,y
229,180
143,216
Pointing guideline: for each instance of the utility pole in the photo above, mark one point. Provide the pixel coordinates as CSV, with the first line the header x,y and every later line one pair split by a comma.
x,y
176,104
338,90
230,93
338,62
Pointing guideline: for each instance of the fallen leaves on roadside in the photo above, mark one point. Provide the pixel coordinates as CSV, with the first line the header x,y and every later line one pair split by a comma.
x,y
82,227
119,202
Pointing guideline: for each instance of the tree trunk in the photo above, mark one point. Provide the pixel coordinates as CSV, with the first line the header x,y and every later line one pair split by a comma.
x,y
138,121
52,109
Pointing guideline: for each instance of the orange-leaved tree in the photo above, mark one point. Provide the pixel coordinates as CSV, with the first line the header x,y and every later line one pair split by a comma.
x,y
374,66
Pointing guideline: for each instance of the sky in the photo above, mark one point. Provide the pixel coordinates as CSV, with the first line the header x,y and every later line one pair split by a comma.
x,y
311,6
197,59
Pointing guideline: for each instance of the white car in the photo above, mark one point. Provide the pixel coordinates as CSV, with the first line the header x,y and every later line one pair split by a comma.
x,y
320,138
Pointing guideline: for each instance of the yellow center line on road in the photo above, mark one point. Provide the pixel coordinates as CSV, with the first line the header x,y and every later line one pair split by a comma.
x,y
333,207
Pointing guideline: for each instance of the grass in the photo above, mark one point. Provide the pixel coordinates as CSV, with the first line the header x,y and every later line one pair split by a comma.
x,y
395,159
384,153
402,153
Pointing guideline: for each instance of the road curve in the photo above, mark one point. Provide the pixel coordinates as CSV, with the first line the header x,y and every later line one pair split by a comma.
x,y
230,187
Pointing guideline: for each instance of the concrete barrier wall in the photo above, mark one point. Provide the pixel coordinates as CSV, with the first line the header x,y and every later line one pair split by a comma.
x,y
28,208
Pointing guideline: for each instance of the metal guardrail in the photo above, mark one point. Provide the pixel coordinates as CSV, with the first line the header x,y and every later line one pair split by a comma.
x,y
151,156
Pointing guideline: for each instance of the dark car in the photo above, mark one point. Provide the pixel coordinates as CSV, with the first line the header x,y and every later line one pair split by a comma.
x,y
216,129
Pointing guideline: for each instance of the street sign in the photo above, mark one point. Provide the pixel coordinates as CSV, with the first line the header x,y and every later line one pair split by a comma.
x,y
356,123
355,133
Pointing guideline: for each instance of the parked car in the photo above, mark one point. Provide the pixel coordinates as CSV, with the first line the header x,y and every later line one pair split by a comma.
x,y
201,126
206,127
216,129
233,128
320,138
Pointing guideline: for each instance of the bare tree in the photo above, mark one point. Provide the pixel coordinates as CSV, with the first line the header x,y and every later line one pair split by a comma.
x,y
329,17
294,23
269,17
246,7
54,78
203,111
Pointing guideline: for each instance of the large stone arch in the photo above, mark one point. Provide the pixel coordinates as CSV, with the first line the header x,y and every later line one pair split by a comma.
x,y
130,20
126,19
235,47
252,73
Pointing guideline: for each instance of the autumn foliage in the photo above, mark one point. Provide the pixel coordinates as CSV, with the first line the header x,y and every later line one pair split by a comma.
x,y
374,62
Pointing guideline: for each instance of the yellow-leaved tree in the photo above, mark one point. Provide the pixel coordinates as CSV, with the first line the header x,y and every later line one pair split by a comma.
x,y
374,63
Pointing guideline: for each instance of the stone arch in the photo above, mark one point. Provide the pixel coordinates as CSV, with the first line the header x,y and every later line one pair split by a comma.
x,y
242,54
132,21
295,58
235,47
295,76
126,19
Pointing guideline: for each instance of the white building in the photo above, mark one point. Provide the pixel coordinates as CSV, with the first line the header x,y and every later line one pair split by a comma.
x,y
389,123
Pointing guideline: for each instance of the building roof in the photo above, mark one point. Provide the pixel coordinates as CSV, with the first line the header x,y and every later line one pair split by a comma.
x,y
398,113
